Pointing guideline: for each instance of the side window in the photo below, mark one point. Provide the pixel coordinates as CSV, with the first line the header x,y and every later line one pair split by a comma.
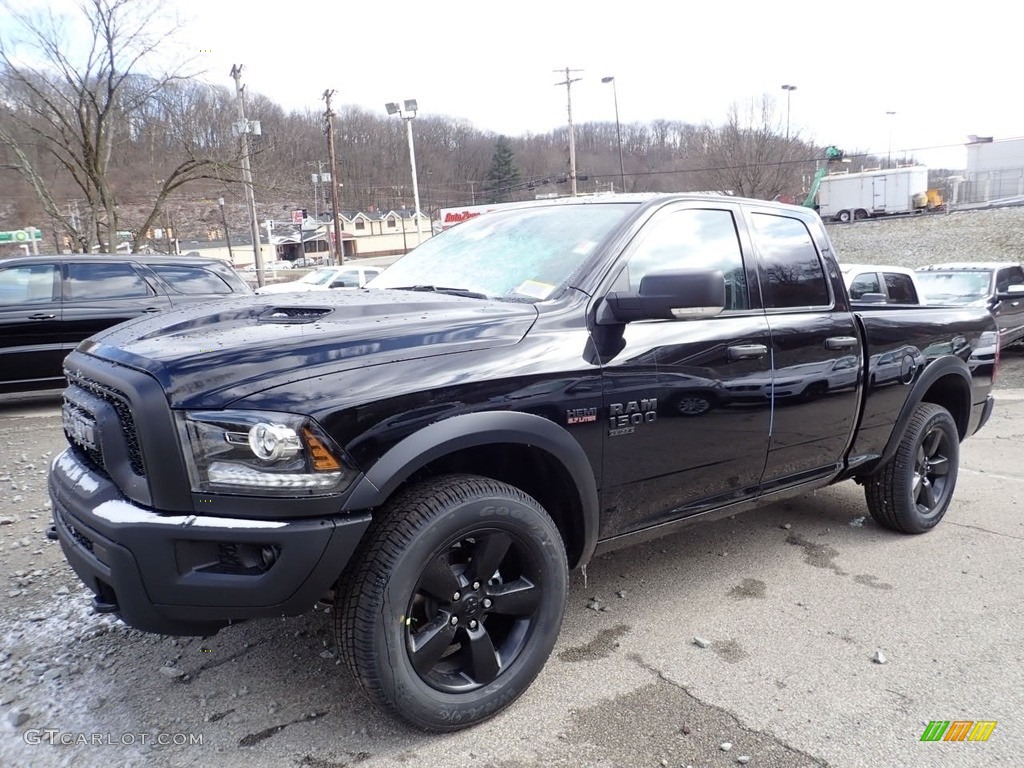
x,y
865,282
695,239
348,279
1008,277
901,288
793,273
28,284
105,280
190,280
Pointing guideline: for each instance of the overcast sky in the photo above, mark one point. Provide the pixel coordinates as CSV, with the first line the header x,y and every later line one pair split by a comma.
x,y
946,71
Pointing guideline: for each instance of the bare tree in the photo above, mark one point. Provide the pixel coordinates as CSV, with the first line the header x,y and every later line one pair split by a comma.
x,y
70,108
749,155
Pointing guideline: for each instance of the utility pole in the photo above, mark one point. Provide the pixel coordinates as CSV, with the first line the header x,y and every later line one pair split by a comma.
x,y
329,117
244,127
227,235
569,80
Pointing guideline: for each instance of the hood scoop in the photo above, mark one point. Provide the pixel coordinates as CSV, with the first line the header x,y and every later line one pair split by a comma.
x,y
293,314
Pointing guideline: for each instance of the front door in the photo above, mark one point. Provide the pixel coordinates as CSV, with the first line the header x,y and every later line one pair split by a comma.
x,y
686,407
31,354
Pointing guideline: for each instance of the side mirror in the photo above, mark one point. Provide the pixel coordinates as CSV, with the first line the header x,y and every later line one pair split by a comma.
x,y
870,298
680,294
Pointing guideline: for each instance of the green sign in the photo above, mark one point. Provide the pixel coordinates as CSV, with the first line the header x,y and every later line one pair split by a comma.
x,y
20,236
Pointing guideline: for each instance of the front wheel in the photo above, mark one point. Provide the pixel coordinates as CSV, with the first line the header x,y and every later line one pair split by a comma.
x,y
913,490
843,216
454,602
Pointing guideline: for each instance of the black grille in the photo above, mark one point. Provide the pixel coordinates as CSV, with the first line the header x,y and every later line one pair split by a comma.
x,y
119,401
83,541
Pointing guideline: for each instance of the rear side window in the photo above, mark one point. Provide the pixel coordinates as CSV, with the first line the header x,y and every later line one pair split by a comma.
x,y
866,282
27,284
191,280
105,280
793,275
901,288
348,279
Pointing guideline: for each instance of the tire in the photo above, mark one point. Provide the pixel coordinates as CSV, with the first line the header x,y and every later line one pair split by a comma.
x,y
860,215
913,490
843,216
418,570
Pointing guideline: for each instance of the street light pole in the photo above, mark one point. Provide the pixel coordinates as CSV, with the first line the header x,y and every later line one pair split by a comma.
x,y
789,92
408,113
888,159
618,130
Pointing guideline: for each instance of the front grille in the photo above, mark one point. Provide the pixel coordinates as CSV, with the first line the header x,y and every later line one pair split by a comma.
x,y
119,401
92,455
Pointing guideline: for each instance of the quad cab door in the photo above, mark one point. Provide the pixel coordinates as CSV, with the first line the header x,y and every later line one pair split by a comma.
x,y
687,402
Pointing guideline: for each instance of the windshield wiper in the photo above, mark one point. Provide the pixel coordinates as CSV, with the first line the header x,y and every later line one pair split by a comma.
x,y
442,289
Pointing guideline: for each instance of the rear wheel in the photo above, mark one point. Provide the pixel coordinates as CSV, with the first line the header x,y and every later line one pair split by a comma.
x,y
454,602
912,492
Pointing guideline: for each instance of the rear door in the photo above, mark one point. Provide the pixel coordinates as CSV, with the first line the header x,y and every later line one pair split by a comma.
x,y
31,349
813,338
100,292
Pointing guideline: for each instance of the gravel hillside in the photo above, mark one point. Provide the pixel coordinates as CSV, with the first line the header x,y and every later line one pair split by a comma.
x,y
980,235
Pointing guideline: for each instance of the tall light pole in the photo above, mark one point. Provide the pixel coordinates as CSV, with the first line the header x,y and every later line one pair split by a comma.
x,y
888,159
789,93
339,248
244,127
572,135
618,130
408,113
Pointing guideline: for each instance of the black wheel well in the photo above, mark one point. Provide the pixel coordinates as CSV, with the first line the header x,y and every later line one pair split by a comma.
x,y
953,394
533,471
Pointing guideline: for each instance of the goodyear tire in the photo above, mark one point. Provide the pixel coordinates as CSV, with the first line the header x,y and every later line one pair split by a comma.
x,y
912,492
454,601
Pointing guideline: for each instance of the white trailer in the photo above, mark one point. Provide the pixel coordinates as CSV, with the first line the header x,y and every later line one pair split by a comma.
x,y
846,196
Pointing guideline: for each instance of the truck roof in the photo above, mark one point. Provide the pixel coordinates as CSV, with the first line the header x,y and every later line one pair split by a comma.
x,y
967,266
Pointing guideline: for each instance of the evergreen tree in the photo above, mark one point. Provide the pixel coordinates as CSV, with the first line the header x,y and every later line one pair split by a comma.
x,y
503,175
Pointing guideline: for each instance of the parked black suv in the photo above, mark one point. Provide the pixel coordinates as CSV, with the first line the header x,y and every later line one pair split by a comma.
x,y
50,303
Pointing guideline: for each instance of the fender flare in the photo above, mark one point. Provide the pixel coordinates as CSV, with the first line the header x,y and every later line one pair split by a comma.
x,y
477,429
937,369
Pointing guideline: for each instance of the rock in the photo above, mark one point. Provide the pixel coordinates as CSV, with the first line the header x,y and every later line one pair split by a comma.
x,y
621,593
743,759
21,574
857,522
8,519
52,674
685,729
18,498
593,604
172,672
725,746
63,591
19,718
14,593
880,657
326,655
700,642
663,762
785,526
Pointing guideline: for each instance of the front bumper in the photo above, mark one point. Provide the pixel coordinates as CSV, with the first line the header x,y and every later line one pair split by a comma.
x,y
191,574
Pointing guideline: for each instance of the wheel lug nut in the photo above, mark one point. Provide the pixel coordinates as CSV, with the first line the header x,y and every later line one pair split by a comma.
x,y
476,585
456,596
472,624
454,620
487,602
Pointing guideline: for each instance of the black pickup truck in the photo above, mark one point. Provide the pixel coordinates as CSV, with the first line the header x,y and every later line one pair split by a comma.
x,y
531,388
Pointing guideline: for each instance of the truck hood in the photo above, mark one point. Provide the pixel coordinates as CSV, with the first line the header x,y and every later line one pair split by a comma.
x,y
211,355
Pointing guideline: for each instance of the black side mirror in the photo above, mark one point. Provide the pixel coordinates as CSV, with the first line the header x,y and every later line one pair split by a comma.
x,y
680,294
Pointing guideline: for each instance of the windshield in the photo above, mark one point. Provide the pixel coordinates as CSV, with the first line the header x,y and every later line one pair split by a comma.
x,y
526,254
955,287
319,277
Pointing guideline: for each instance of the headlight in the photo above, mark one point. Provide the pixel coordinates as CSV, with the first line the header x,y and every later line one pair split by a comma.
x,y
264,452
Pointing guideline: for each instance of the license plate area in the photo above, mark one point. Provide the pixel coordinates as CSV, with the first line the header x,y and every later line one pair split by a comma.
x,y
79,427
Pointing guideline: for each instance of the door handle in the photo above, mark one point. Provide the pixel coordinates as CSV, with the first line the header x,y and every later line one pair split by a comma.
x,y
747,351
41,316
841,342
151,310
